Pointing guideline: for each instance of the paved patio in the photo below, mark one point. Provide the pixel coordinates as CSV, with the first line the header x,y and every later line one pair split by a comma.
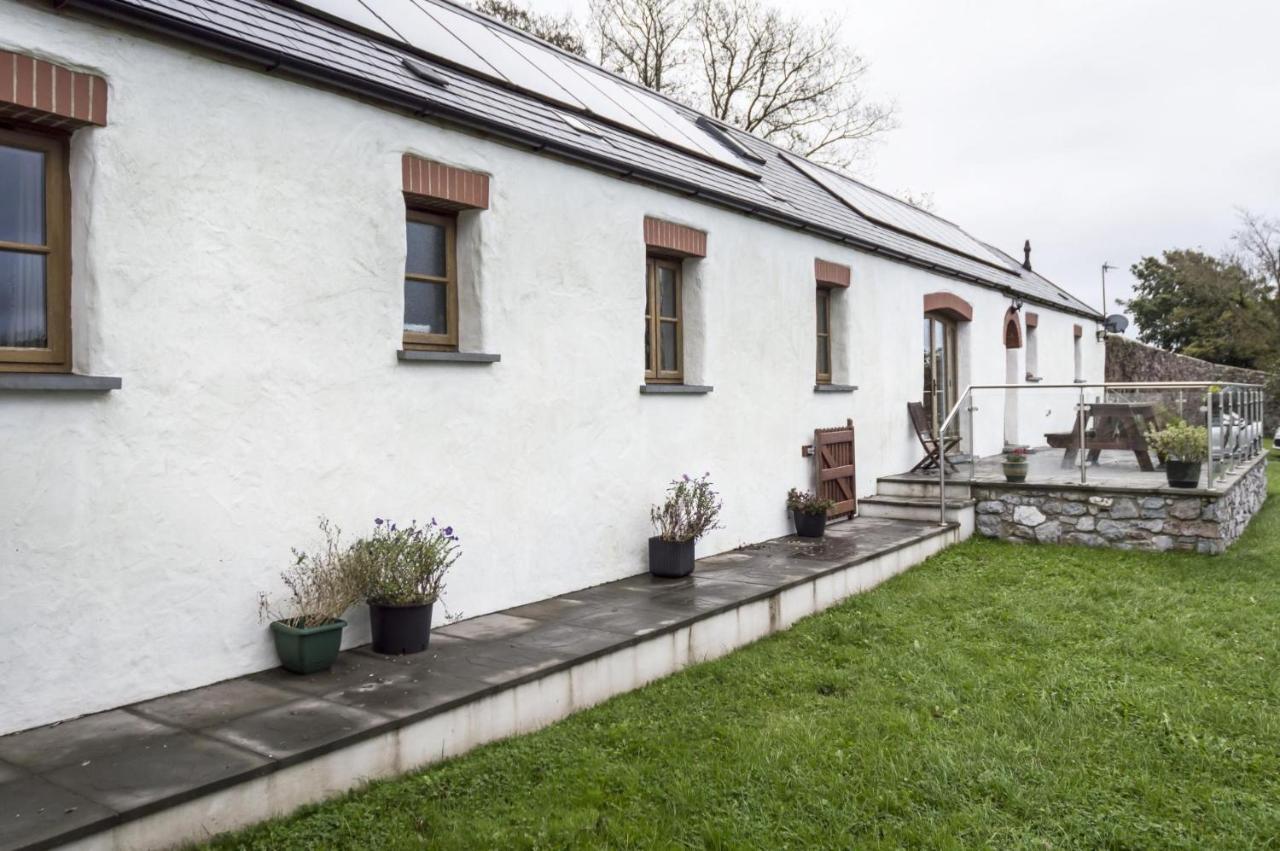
x,y
85,776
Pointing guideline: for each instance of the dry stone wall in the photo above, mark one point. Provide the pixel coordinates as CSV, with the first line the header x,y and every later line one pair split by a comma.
x,y
1125,520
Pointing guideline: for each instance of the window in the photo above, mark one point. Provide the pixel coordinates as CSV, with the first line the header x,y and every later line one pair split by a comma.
x,y
430,282
1032,355
663,334
35,317
1079,364
824,335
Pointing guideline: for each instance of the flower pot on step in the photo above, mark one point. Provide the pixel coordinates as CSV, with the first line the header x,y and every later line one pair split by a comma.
x,y
1182,474
810,525
400,630
309,649
670,558
1015,471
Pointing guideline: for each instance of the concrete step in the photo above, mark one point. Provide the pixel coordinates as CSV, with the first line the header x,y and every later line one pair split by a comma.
x,y
920,487
921,509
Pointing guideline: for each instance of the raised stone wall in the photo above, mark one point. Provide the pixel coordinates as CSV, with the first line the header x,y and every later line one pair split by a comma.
x,y
1130,360
1125,520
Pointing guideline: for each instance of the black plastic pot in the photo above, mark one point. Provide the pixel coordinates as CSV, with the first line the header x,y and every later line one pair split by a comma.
x,y
810,525
670,558
1182,474
400,629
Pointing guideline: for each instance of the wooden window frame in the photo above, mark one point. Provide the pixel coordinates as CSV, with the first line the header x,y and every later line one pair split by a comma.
x,y
824,335
653,373
56,356
417,340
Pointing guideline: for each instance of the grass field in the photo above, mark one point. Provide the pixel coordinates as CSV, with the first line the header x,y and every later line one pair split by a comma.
x,y
996,695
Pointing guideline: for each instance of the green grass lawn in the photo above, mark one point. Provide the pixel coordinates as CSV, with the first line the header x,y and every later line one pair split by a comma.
x,y
996,695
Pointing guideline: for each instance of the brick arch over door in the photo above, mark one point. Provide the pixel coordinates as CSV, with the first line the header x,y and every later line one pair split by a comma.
x,y
948,305
1012,330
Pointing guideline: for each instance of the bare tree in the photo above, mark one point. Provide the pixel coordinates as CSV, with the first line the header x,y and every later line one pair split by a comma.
x,y
562,32
644,40
789,82
1257,247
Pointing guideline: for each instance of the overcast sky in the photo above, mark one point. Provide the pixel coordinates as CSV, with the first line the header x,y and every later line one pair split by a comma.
x,y
1102,131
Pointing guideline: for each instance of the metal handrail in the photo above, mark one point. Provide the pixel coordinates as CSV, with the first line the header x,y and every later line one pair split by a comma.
x,y
1257,402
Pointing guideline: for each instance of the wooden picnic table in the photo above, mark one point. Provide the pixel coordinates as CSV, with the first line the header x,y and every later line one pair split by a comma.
x,y
1115,425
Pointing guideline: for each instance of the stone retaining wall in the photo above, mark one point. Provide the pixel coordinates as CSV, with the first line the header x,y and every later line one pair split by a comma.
x,y
1122,519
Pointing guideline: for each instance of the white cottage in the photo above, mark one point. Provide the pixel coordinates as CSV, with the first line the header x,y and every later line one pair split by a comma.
x,y
264,261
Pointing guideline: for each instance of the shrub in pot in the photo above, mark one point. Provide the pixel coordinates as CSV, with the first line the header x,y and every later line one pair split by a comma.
x,y
321,586
691,509
809,512
402,570
1015,465
1185,448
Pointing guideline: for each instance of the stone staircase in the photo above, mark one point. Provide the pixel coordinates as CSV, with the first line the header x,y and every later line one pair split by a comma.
x,y
909,496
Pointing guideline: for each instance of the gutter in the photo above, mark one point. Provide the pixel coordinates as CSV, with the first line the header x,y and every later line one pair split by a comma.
x,y
276,63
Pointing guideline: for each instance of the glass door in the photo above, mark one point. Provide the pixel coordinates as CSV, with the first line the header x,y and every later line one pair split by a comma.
x,y
939,369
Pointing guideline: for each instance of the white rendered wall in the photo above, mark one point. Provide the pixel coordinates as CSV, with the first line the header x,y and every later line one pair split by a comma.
x,y
238,253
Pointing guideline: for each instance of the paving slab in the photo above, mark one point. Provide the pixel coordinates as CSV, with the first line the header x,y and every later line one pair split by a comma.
x,y
33,810
215,704
307,724
93,736
170,766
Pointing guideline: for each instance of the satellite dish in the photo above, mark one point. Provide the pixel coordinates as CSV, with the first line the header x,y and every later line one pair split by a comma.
x,y
1116,323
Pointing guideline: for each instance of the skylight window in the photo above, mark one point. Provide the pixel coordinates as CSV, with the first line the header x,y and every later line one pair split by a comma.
x,y
579,126
722,135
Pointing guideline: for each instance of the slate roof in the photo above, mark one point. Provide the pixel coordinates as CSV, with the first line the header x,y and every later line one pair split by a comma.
x,y
300,43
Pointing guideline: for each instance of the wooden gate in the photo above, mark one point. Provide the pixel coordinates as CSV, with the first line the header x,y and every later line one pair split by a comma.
x,y
835,470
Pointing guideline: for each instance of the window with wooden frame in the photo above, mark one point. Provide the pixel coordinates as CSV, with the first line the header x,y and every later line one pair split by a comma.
x,y
430,281
35,267
663,322
824,335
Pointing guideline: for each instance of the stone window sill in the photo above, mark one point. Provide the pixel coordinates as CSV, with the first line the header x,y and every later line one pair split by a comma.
x,y
834,388
419,356
675,389
1034,379
58,382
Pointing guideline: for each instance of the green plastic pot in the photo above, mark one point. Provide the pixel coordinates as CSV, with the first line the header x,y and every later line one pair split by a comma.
x,y
307,650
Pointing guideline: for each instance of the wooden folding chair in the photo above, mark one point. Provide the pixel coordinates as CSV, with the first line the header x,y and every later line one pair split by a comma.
x,y
934,450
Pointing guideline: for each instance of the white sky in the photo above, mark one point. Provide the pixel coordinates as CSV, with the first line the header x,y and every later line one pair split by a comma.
x,y
1099,130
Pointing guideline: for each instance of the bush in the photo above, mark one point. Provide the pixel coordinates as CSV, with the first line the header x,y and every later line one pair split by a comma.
x,y
321,585
404,565
807,503
691,510
1180,442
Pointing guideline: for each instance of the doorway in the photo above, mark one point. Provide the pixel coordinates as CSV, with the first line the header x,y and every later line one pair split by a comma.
x,y
939,370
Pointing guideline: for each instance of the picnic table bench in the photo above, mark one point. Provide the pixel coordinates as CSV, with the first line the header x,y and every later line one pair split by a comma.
x,y
1115,425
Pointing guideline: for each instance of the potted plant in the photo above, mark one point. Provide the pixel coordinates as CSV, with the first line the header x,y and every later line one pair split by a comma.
x,y
1185,447
1015,465
809,512
402,570
691,509
321,586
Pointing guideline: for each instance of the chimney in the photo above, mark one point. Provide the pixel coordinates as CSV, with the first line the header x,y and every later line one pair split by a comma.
x,y
1026,255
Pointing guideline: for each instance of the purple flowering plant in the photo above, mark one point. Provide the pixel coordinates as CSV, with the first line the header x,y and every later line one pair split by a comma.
x,y
691,509
808,503
405,565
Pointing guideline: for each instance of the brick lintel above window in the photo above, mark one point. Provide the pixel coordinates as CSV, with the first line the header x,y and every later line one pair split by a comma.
x,y
1077,331
831,274
671,238
41,93
443,187
1033,319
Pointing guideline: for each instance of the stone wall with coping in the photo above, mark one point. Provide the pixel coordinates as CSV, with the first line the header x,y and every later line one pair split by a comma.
x,y
1156,520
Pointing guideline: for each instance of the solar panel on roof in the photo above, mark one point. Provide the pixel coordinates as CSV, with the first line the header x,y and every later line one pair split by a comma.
x,y
499,54
887,210
425,33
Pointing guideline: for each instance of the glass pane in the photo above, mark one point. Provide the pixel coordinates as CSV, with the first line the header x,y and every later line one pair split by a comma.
x,y
667,291
822,311
21,196
22,307
824,356
669,361
426,307
648,345
426,249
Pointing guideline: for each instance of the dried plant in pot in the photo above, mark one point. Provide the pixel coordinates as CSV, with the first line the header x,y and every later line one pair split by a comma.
x,y
1015,465
1185,448
809,512
307,626
402,570
691,509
